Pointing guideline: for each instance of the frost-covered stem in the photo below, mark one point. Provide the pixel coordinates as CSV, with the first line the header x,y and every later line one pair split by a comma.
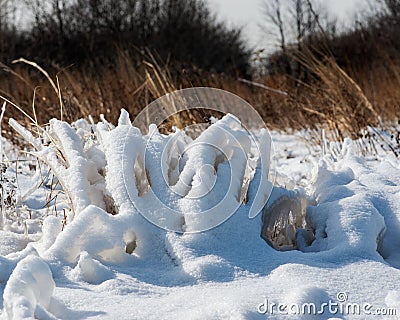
x,y
3,211
324,143
70,167
3,109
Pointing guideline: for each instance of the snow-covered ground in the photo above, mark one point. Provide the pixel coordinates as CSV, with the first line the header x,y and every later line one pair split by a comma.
x,y
349,271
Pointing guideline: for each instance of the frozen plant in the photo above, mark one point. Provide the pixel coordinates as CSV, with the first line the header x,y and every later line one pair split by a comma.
x,y
176,182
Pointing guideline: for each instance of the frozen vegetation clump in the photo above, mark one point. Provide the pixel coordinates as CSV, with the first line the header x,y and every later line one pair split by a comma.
x,y
113,176
124,207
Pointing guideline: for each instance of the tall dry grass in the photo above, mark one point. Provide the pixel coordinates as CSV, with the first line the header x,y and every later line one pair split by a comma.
x,y
339,101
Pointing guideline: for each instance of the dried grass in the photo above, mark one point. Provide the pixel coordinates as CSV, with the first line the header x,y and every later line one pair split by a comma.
x,y
342,103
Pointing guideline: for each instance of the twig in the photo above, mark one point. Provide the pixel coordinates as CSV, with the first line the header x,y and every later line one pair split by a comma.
x,y
35,65
3,109
2,213
263,86
44,72
18,108
60,97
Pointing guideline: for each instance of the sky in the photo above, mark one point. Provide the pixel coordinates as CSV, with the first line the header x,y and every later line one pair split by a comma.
x,y
248,13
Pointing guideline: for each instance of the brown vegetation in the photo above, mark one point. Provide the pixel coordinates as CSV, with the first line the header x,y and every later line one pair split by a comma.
x,y
329,83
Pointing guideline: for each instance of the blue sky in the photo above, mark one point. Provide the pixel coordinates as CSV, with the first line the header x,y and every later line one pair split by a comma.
x,y
248,13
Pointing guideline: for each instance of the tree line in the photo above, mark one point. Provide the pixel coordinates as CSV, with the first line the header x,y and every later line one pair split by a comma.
x,y
88,32
305,27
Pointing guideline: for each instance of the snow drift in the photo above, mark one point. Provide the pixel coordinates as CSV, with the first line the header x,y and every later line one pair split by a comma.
x,y
29,290
345,219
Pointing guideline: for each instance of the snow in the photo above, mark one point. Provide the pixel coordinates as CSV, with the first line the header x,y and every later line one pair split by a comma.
x,y
104,259
90,270
29,289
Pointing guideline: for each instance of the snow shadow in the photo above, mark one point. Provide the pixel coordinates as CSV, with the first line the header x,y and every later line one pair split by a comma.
x,y
61,311
389,242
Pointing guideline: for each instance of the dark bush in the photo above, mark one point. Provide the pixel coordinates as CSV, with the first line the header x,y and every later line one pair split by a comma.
x,y
92,31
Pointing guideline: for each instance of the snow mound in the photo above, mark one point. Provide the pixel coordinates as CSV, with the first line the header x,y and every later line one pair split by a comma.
x,y
95,232
307,301
343,219
175,182
91,270
28,291
12,242
346,219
